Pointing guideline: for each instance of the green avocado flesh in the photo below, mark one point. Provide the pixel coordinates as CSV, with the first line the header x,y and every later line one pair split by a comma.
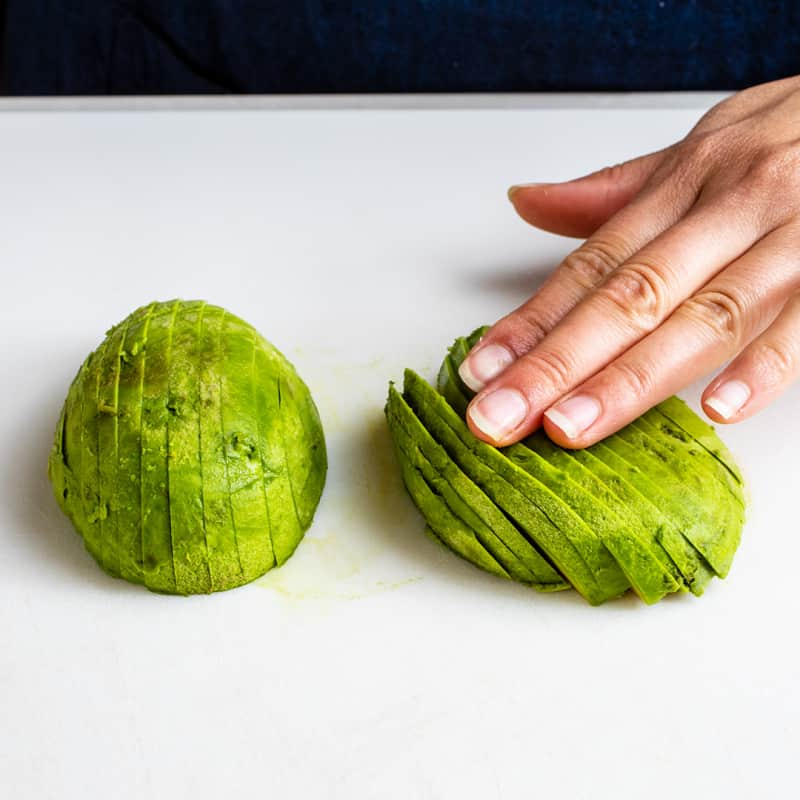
x,y
189,455
657,508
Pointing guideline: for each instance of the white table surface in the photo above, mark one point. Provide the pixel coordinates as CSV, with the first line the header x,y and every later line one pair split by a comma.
x,y
374,664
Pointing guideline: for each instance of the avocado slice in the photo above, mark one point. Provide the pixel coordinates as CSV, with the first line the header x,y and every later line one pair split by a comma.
x,y
248,489
575,550
714,534
185,483
675,437
450,386
620,475
107,437
297,421
129,420
640,560
446,526
627,509
676,411
285,526
467,501
223,555
157,548
89,479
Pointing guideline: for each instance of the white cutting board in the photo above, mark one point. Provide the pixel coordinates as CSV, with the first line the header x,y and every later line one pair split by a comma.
x,y
374,664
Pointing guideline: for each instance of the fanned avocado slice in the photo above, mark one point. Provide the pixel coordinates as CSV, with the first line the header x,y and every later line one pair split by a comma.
x,y
242,450
223,555
642,563
467,501
676,445
445,525
129,455
677,412
192,574
621,474
157,550
627,509
107,435
715,535
578,554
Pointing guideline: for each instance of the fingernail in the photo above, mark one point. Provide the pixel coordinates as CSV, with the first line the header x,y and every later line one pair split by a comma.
x,y
729,398
500,413
484,364
574,415
517,186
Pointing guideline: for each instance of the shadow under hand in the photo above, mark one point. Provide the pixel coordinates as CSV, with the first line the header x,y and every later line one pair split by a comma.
x,y
516,279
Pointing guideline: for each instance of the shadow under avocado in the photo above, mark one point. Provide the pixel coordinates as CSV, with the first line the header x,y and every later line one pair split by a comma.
x,y
47,532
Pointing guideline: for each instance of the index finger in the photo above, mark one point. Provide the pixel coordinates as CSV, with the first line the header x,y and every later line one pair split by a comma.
x,y
649,214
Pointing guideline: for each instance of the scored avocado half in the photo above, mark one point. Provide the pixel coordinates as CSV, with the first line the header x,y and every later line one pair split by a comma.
x,y
189,454
657,507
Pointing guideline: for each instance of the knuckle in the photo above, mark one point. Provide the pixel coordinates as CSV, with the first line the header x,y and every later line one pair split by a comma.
x,y
551,367
632,378
776,167
638,295
520,331
721,311
701,148
776,361
591,263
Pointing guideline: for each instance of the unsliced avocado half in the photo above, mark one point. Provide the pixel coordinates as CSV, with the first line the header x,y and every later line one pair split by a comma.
x,y
189,454
657,508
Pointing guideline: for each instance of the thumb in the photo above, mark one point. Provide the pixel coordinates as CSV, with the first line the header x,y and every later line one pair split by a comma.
x,y
579,207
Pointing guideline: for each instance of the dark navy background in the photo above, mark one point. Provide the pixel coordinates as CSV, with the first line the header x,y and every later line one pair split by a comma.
x,y
186,46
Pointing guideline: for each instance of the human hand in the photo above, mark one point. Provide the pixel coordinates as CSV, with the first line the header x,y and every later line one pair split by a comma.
x,y
692,259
